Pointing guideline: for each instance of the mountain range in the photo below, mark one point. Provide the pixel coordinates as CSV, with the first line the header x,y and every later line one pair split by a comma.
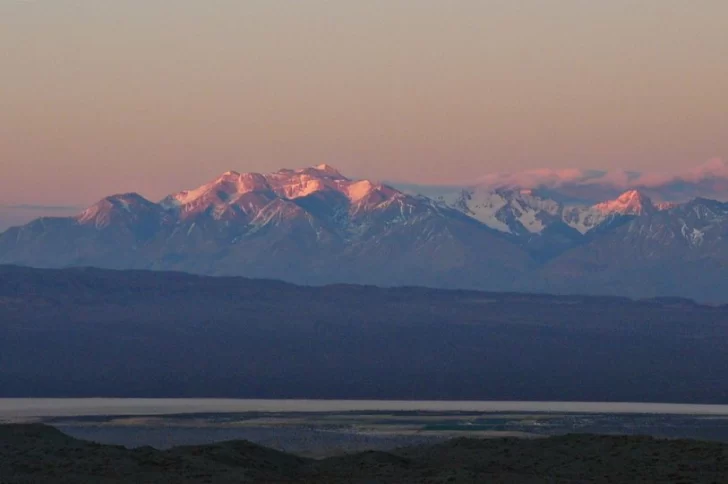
x,y
316,226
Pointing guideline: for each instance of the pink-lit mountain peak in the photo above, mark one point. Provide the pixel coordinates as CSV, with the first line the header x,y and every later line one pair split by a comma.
x,y
631,202
252,191
222,189
123,205
123,202
328,170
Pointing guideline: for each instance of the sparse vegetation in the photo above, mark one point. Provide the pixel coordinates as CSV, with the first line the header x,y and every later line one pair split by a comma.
x,y
37,453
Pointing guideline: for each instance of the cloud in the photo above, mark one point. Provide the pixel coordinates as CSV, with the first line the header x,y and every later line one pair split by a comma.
x,y
548,178
708,180
538,178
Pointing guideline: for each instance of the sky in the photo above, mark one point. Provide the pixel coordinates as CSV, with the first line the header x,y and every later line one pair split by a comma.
x,y
153,96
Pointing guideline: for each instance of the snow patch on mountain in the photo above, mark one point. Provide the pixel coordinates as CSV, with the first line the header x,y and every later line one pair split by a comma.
x,y
693,235
517,212
509,211
520,211
584,219
484,207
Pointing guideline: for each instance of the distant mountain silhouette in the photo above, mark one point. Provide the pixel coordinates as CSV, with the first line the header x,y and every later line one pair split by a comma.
x,y
91,332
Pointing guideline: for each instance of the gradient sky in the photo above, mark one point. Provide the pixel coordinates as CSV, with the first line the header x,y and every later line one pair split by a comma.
x,y
98,96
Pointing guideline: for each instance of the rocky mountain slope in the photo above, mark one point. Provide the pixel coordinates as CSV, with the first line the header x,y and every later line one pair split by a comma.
x,y
316,226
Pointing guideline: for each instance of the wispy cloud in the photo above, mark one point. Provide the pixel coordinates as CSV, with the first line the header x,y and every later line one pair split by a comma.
x,y
548,178
709,180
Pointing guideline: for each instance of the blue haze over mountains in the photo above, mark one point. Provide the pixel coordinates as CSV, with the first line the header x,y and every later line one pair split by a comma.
x,y
316,226
89,332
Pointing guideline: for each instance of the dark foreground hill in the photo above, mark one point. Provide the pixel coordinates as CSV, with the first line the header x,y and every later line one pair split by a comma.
x,y
90,332
36,453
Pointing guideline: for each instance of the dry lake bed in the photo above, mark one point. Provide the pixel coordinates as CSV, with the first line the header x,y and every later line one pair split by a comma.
x,y
327,427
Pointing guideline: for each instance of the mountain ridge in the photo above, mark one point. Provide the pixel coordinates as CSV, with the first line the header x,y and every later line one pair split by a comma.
x,y
316,226
170,334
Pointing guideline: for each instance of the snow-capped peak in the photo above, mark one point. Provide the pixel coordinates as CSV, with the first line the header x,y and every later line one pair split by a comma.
x,y
524,211
631,202
227,185
584,219
292,184
233,193
328,169
125,204
515,211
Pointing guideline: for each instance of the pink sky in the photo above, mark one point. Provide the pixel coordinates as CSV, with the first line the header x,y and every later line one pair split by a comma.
x,y
98,97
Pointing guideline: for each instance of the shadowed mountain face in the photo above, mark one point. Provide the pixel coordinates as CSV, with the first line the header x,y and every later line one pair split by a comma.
x,y
91,332
680,251
35,453
315,226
